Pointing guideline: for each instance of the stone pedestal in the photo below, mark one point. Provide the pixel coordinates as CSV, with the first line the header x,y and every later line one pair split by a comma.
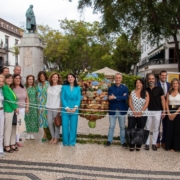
x,y
31,55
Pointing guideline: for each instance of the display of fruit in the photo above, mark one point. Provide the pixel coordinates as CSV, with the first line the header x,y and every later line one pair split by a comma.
x,y
94,104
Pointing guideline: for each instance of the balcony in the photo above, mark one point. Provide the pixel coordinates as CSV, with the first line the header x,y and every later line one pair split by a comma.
x,y
158,61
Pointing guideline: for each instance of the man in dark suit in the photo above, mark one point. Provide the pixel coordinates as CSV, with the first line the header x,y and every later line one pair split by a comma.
x,y
165,86
118,95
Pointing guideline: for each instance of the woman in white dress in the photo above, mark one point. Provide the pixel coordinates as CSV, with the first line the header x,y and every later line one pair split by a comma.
x,y
2,79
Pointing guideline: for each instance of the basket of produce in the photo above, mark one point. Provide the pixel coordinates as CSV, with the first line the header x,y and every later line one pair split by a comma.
x,y
94,103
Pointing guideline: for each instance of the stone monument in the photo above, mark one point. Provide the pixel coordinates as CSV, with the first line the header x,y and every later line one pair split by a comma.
x,y
31,48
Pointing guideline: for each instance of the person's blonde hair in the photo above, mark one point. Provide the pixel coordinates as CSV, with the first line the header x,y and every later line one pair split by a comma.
x,y
171,87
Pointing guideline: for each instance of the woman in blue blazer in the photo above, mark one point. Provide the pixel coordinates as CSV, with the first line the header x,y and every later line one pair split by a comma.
x,y
70,98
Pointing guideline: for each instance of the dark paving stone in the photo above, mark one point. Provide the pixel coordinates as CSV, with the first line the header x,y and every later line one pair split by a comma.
x,y
7,179
78,173
71,178
29,175
92,168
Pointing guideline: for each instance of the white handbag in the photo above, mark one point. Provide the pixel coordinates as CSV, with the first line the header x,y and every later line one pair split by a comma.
x,y
21,127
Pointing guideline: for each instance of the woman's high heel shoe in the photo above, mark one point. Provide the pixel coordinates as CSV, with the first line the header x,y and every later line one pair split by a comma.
x,y
8,151
14,147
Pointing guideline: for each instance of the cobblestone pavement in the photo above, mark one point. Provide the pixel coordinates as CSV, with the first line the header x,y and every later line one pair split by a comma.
x,y
43,161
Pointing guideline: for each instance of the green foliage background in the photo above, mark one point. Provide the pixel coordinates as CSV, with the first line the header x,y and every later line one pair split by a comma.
x,y
129,80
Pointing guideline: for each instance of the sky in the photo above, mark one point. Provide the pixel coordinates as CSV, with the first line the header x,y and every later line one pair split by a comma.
x,y
47,12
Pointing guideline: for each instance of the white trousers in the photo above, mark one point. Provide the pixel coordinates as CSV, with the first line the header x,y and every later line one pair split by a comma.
x,y
22,112
154,118
1,130
9,129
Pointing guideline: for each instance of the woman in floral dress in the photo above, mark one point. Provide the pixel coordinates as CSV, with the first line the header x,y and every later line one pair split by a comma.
x,y
41,99
31,118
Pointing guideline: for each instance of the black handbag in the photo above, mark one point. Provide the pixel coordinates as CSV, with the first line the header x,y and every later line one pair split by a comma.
x,y
14,120
146,135
137,136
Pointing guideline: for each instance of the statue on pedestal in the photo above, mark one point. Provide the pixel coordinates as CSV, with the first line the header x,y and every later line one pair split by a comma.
x,y
30,20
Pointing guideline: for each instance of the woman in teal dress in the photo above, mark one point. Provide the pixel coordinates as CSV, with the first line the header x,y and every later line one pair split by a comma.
x,y
31,118
41,99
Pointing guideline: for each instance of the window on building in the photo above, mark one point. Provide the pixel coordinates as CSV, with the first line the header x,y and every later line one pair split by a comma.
x,y
1,63
16,56
172,55
6,59
16,41
16,60
7,42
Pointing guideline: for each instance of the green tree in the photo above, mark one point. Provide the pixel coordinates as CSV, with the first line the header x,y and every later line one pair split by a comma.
x,y
157,19
125,54
14,50
88,48
56,47
77,46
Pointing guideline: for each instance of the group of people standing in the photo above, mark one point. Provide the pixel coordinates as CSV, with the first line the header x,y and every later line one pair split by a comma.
x,y
38,103
159,102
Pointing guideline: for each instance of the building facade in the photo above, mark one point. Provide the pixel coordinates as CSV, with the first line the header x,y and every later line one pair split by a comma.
x,y
156,58
10,35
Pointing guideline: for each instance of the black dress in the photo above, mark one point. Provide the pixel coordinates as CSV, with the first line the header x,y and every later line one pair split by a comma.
x,y
173,132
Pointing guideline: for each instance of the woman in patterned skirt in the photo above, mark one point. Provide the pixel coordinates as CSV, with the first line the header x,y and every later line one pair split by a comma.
x,y
137,112
31,118
41,99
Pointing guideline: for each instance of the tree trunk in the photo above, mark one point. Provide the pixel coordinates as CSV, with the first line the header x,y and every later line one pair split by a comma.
x,y
177,50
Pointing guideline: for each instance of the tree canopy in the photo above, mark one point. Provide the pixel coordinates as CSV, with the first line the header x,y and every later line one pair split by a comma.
x,y
125,54
80,45
157,19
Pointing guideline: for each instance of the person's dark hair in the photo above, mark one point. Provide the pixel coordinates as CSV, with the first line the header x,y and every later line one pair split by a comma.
x,y
13,84
163,71
27,85
143,90
75,81
8,76
39,75
2,70
171,87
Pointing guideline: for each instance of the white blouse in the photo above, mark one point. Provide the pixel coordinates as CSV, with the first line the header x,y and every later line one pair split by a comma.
x,y
1,98
174,100
53,97
138,104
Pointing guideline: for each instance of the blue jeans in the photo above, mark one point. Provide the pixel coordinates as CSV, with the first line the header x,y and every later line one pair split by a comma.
x,y
112,121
